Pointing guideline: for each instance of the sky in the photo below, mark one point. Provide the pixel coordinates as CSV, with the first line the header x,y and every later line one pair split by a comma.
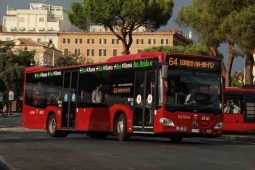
x,y
238,63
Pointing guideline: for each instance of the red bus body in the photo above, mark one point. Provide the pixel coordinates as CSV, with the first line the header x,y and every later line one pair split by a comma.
x,y
101,119
243,119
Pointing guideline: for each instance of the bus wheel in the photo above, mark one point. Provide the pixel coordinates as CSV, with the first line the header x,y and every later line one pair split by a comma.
x,y
176,139
52,127
121,127
98,135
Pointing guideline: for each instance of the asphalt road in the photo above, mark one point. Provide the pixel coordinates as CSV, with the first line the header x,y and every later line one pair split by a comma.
x,y
21,148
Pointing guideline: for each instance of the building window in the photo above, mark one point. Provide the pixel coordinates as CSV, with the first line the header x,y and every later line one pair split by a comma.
x,y
90,52
114,52
152,41
139,41
78,41
164,41
39,40
41,19
90,41
77,52
115,41
102,41
66,41
11,19
102,52
65,52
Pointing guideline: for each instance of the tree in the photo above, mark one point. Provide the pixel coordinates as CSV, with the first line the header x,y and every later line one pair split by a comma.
x,y
246,42
13,67
237,79
209,18
190,49
121,17
67,60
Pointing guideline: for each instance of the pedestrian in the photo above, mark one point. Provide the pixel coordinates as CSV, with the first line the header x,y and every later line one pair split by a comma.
x,y
5,111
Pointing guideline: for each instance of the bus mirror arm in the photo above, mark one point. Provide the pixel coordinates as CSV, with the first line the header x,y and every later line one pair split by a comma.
x,y
164,70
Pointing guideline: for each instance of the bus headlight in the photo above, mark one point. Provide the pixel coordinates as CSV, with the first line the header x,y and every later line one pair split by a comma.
x,y
166,122
218,126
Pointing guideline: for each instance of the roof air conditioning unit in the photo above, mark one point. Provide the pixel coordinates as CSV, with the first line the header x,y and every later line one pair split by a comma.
x,y
22,29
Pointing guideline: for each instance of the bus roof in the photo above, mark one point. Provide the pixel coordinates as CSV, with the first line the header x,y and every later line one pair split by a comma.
x,y
239,90
146,55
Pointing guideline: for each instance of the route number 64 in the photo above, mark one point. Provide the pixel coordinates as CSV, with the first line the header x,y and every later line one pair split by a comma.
x,y
173,62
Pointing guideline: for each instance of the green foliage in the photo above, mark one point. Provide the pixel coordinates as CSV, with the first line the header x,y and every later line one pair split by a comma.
x,y
12,67
190,49
246,18
222,21
237,79
120,16
206,17
67,60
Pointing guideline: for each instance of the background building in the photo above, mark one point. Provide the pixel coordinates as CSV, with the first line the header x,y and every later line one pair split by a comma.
x,y
99,28
98,46
45,54
38,18
34,36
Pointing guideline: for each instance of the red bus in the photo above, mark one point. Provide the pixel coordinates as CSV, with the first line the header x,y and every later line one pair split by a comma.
x,y
157,94
239,110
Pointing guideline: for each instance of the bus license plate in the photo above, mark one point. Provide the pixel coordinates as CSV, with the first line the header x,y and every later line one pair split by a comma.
x,y
195,130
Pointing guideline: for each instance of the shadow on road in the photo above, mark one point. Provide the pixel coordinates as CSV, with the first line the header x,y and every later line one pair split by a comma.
x,y
42,137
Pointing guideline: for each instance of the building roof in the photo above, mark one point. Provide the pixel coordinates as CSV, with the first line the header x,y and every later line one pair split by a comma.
x,y
28,42
31,43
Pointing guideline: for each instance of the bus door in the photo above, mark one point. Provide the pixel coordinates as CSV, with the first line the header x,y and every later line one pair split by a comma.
x,y
144,99
249,109
69,99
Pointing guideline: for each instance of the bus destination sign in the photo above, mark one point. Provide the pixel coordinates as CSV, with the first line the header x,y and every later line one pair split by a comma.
x,y
191,63
47,74
148,63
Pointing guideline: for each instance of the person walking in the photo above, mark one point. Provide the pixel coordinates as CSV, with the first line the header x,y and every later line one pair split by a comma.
x,y
5,111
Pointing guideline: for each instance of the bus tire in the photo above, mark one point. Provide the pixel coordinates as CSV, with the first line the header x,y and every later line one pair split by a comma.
x,y
121,128
52,127
176,139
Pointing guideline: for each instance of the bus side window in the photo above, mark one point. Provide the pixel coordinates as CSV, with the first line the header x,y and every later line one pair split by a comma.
x,y
232,106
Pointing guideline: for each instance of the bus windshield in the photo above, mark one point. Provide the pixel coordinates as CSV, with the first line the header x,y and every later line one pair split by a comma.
x,y
193,92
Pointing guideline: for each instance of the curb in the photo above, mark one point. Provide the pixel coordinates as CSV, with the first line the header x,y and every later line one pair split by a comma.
x,y
12,115
239,138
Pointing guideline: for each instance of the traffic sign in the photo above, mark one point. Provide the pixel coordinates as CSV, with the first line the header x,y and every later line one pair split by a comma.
x,y
11,95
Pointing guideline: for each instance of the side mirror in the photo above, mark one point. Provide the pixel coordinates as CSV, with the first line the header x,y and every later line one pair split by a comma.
x,y
164,70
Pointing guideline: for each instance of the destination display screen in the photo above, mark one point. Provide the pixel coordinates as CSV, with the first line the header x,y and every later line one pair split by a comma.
x,y
47,74
193,63
138,64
